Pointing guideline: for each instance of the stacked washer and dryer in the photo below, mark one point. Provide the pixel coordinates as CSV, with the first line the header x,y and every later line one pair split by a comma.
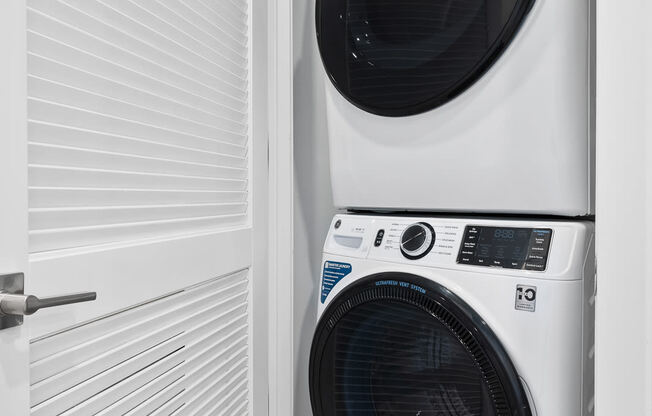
x,y
461,280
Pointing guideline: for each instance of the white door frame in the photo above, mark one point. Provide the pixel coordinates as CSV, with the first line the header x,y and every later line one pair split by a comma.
x,y
259,203
261,300
281,197
14,382
624,209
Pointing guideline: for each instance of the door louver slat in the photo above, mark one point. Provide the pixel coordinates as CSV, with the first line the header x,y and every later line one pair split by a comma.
x,y
43,197
120,324
51,112
68,137
44,240
42,153
138,120
156,402
65,95
189,350
50,175
219,304
165,372
79,217
78,29
123,88
100,379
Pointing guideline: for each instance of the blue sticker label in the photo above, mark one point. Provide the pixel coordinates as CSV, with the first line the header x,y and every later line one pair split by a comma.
x,y
333,273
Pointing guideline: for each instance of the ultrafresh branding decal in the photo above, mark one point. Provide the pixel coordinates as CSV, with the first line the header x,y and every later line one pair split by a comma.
x,y
401,284
333,273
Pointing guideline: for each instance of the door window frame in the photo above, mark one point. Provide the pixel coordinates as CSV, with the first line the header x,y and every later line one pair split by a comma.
x,y
508,34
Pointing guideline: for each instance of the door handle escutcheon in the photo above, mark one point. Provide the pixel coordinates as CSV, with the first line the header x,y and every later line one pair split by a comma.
x,y
11,304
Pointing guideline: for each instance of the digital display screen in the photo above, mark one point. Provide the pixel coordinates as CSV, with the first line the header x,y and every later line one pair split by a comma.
x,y
501,245
514,248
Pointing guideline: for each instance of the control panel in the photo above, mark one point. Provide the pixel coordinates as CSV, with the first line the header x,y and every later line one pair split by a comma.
x,y
506,247
546,249
424,242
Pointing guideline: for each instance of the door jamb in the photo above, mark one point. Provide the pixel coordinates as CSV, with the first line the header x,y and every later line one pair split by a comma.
x,y
281,190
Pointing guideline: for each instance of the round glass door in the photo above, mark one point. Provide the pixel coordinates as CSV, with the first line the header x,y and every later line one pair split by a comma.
x,y
399,58
401,345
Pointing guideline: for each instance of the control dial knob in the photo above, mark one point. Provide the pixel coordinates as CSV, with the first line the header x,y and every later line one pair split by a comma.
x,y
417,240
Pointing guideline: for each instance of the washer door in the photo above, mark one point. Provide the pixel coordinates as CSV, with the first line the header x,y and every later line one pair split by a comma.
x,y
398,344
399,58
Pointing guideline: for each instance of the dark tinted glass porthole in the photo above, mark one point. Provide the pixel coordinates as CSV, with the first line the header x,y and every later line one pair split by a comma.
x,y
404,57
397,344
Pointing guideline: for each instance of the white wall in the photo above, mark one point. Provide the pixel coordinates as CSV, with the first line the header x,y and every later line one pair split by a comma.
x,y
624,209
313,203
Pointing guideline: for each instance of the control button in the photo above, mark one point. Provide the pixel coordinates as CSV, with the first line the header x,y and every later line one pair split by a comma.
x,y
513,264
497,263
540,239
379,238
465,260
470,253
482,262
472,237
338,223
469,245
539,249
535,265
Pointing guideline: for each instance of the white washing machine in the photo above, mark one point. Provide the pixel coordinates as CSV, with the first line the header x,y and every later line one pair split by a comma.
x,y
454,316
459,106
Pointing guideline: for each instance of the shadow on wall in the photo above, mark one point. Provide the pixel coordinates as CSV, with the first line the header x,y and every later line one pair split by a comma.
x,y
313,203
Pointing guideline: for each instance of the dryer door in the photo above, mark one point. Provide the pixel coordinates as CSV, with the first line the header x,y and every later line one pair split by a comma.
x,y
398,58
397,344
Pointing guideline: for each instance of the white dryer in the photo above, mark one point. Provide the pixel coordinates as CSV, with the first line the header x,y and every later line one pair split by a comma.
x,y
454,316
458,106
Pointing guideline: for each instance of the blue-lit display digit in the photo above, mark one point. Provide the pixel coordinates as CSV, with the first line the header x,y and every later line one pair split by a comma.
x,y
504,234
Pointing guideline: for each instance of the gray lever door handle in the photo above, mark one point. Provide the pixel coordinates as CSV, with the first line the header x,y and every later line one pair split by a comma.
x,y
11,304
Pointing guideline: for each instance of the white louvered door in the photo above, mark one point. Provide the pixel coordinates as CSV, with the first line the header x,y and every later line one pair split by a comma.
x,y
126,165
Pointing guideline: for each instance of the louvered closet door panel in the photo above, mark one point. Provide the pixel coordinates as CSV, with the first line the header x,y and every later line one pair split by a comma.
x,y
187,352
138,119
